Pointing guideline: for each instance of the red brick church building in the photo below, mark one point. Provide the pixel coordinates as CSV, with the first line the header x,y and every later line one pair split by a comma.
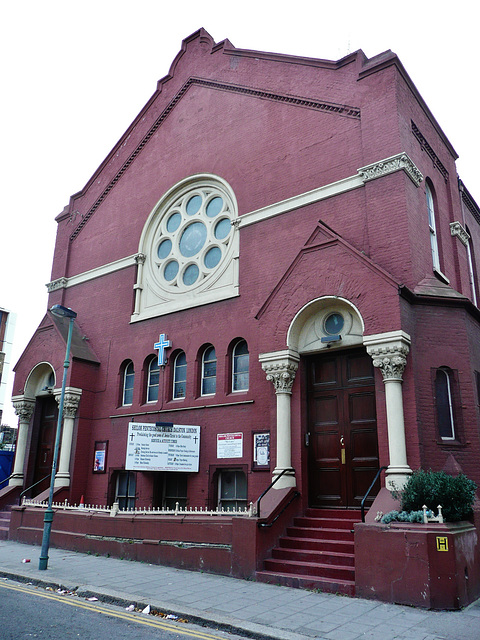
x,y
274,274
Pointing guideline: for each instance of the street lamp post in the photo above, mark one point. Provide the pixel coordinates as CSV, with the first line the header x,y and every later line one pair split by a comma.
x,y
62,312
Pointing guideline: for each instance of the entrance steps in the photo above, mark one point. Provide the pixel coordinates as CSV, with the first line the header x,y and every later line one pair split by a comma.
x,y
316,553
4,524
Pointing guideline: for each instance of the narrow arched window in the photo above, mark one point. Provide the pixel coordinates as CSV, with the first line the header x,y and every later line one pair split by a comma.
x,y
209,371
180,375
471,268
444,403
240,366
153,380
128,382
433,227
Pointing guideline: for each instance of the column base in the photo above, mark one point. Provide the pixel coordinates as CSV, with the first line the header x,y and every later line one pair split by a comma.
x,y
396,477
287,480
62,480
17,481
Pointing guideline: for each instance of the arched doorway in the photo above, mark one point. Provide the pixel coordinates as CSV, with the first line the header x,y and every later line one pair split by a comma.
x,y
341,408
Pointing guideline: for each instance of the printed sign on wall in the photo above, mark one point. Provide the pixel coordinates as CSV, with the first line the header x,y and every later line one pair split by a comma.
x,y
229,445
162,447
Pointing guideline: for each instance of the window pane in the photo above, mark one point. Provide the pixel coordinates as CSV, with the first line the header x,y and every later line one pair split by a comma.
x,y
232,489
241,361
128,382
209,371
180,376
444,405
153,380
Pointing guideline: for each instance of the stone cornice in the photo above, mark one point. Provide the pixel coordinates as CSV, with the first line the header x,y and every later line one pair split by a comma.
x,y
456,229
399,162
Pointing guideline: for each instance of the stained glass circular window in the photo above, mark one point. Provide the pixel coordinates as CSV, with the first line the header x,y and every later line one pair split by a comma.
x,y
194,237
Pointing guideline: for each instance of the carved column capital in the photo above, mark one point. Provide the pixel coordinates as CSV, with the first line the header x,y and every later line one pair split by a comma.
x,y
389,353
24,408
70,401
280,368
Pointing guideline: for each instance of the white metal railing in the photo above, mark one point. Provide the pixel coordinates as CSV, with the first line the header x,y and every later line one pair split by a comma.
x,y
115,509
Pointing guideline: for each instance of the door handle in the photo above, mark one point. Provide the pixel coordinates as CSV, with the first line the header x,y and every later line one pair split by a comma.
x,y
342,441
342,450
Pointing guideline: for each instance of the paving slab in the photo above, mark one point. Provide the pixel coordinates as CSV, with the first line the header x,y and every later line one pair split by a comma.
x,y
244,607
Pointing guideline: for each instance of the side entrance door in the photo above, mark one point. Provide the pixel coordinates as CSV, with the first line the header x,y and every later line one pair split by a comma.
x,y
343,451
46,443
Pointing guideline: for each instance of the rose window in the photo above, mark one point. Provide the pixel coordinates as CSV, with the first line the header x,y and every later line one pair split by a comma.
x,y
193,238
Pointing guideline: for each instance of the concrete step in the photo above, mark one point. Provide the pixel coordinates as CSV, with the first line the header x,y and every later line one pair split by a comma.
x,y
312,555
312,583
329,571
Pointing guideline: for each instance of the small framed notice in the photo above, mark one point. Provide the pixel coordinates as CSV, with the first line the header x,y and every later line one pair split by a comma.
x,y
100,456
261,451
229,445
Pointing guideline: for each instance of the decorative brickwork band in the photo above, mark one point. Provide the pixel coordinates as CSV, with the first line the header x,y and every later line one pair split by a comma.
x,y
400,162
456,229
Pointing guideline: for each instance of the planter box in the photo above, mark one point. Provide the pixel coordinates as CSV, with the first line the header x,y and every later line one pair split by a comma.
x,y
435,566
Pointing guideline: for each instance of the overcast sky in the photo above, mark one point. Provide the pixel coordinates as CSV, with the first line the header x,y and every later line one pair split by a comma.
x,y
75,74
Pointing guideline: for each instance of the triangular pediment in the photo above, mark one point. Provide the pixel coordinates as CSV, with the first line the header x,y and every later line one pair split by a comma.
x,y
328,265
200,65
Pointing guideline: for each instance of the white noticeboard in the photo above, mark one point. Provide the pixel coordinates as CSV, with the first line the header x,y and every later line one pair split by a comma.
x,y
229,445
164,447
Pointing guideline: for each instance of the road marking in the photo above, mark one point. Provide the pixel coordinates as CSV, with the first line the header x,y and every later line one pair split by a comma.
x,y
75,601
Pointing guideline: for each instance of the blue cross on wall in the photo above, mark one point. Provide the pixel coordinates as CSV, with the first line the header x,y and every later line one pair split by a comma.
x,y
161,345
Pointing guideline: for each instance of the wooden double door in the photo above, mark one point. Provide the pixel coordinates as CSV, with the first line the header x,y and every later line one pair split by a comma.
x,y
343,445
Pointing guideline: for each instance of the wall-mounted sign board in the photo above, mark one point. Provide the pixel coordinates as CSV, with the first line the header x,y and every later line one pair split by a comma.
x,y
162,447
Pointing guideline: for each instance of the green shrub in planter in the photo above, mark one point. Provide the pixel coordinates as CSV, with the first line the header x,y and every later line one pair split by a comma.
x,y
455,494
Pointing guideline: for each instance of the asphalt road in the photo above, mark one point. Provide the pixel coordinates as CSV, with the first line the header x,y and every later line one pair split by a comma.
x,y
28,612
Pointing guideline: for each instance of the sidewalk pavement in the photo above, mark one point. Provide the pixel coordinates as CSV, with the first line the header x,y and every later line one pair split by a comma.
x,y
240,606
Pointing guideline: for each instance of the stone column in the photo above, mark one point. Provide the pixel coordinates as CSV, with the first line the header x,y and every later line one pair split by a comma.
x,y
138,288
280,368
389,353
24,408
70,406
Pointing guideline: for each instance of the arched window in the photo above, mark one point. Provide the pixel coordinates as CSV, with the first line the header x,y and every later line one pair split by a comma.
x,y
128,382
433,227
240,366
153,380
180,375
209,371
444,403
471,267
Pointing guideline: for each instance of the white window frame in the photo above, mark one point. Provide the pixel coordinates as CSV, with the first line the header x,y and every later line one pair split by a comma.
x,y
433,228
236,373
176,382
447,373
126,375
153,361
206,378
